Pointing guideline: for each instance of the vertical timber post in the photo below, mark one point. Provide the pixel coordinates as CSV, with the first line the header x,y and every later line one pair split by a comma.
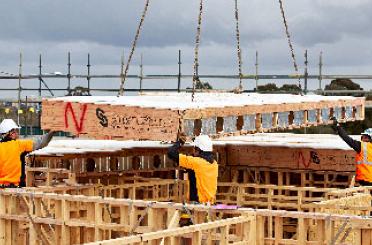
x,y
319,119
197,127
240,123
290,118
219,125
258,122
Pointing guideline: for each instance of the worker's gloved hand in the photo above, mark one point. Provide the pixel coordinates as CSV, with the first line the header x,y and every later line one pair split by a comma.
x,y
334,122
182,138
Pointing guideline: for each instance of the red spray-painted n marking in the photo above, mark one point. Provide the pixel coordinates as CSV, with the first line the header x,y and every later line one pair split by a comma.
x,y
301,159
78,126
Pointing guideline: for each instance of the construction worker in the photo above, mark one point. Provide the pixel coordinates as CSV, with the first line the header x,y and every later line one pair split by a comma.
x,y
202,163
363,149
11,149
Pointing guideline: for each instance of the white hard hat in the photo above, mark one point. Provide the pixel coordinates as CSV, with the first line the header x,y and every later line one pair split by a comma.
x,y
203,142
368,132
6,125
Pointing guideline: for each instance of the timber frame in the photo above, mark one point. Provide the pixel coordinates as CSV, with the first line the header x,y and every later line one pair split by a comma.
x,y
112,118
48,218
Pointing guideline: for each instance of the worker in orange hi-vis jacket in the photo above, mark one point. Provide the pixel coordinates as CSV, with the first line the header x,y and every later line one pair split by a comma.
x,y
202,163
363,148
11,149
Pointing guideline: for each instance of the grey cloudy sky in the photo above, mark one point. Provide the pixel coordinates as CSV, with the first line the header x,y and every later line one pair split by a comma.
x,y
339,28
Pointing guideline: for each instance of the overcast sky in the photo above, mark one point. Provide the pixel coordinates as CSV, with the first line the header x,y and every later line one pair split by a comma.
x,y
339,28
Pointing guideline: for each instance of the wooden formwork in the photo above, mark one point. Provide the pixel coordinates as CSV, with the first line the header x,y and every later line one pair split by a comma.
x,y
287,157
107,168
238,161
355,201
44,176
357,204
66,219
46,218
252,229
142,189
50,177
228,193
277,197
102,167
133,117
273,176
217,231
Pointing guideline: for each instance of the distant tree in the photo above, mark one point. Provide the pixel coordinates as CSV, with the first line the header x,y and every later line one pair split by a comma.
x,y
203,85
290,88
343,84
368,97
270,87
79,91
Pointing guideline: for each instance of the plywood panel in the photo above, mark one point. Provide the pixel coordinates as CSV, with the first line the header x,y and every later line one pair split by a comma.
x,y
291,158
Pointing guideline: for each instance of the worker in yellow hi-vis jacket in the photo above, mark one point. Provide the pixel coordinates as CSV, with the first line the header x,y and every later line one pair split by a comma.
x,y
202,163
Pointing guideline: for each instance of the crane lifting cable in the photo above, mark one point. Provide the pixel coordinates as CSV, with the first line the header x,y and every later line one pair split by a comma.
x,y
239,52
195,77
290,43
123,77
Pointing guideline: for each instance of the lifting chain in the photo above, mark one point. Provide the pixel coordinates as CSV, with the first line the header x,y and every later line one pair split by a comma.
x,y
123,77
195,77
290,43
239,51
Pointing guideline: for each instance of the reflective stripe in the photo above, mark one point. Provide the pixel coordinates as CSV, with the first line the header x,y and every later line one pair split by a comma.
x,y
365,155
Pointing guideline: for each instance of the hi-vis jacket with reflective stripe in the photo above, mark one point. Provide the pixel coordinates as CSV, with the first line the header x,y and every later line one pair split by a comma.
x,y
364,162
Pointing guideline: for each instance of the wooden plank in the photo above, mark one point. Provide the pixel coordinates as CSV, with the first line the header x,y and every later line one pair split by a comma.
x,y
260,230
224,240
197,238
173,223
278,230
302,231
366,237
2,221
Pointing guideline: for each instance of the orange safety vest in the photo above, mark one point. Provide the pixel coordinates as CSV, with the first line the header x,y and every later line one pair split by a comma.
x,y
364,162
10,161
206,175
